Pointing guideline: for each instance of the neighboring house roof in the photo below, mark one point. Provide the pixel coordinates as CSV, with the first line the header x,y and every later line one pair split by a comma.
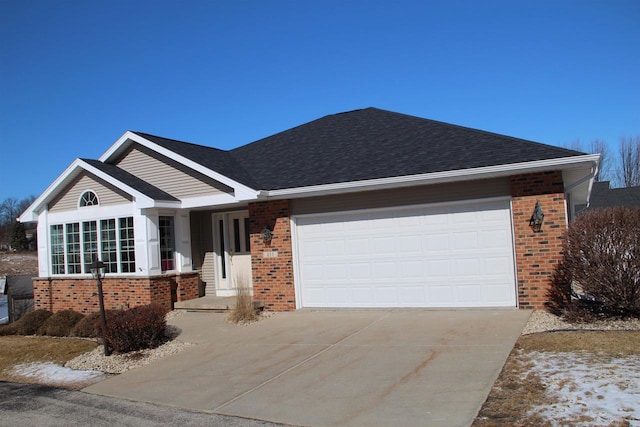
x,y
21,284
372,143
131,180
602,196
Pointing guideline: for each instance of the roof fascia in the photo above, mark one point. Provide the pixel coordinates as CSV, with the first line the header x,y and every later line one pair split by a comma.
x,y
124,141
436,177
32,212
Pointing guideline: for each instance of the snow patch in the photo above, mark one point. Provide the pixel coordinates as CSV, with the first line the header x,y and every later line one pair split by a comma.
x,y
49,372
588,389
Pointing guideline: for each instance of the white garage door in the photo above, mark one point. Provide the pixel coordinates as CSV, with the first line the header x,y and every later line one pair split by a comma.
x,y
428,256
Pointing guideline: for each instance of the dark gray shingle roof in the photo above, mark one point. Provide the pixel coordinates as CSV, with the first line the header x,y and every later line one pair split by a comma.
x,y
361,145
373,143
604,197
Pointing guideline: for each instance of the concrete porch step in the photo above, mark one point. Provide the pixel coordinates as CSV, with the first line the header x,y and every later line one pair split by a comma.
x,y
212,303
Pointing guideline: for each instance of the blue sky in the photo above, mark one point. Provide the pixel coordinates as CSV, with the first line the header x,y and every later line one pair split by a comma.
x,y
75,75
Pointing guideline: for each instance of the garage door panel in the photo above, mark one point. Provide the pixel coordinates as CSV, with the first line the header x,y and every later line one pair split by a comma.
x,y
454,256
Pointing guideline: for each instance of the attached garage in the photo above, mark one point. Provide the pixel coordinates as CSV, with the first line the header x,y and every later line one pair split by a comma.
x,y
444,255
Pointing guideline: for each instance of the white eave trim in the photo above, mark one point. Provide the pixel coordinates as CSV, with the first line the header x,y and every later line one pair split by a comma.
x,y
121,144
141,200
588,160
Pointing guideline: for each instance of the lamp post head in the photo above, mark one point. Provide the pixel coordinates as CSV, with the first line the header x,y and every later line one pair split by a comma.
x,y
97,269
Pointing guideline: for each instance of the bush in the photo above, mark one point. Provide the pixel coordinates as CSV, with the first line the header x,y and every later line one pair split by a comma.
x,y
31,322
88,326
60,323
136,329
602,255
8,329
559,294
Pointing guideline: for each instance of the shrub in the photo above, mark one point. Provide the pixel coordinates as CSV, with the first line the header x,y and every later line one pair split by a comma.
x,y
602,255
31,322
135,329
8,329
88,326
60,323
559,293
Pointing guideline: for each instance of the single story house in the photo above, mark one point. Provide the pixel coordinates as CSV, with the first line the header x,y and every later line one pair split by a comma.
x,y
367,208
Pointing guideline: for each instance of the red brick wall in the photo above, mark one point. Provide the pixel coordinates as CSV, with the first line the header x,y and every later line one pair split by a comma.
x,y
537,253
81,294
272,277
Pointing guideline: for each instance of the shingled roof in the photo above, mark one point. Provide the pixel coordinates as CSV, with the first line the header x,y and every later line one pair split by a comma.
x,y
602,196
373,143
361,145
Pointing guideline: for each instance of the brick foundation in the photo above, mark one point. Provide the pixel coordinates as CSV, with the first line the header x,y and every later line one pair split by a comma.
x,y
537,253
81,294
272,275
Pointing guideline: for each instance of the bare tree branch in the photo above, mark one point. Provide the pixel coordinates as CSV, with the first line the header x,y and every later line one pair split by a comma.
x,y
629,170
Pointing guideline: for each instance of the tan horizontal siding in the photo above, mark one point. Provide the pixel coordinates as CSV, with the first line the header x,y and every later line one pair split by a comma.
x,y
403,196
68,199
168,175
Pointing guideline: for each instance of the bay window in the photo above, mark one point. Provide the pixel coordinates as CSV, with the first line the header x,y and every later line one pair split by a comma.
x,y
74,246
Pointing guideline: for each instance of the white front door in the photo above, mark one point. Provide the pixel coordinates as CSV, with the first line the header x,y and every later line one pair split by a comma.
x,y
233,252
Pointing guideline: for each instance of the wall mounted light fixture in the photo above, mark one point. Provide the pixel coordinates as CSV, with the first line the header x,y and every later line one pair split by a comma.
x,y
536,218
267,235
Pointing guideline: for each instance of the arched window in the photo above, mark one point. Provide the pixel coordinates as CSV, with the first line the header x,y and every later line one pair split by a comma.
x,y
88,198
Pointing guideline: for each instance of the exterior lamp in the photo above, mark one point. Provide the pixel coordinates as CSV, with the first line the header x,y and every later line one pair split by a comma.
x,y
536,218
97,270
267,235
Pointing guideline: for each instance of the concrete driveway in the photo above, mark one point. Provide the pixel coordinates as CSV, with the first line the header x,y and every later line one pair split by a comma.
x,y
327,368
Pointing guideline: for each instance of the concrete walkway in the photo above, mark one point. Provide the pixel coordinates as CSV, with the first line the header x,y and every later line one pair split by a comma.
x,y
327,368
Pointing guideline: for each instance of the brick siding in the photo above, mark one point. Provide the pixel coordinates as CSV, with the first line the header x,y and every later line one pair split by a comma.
x,y
81,294
537,253
272,276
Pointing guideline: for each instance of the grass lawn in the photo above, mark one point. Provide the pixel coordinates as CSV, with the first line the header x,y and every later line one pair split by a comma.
x,y
15,350
520,389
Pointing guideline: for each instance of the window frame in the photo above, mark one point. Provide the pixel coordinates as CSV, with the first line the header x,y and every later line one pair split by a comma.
x,y
91,200
86,239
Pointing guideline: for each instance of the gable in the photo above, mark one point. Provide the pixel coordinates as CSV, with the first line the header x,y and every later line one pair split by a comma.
x,y
167,174
68,198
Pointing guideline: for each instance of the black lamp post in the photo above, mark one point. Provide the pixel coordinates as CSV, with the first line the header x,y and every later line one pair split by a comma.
x,y
97,270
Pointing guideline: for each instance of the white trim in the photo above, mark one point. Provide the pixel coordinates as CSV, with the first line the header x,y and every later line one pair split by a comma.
x,y
433,178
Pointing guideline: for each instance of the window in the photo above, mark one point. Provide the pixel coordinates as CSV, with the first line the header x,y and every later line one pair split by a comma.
x,y
109,245
74,258
88,198
74,246
90,238
57,249
167,243
127,246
